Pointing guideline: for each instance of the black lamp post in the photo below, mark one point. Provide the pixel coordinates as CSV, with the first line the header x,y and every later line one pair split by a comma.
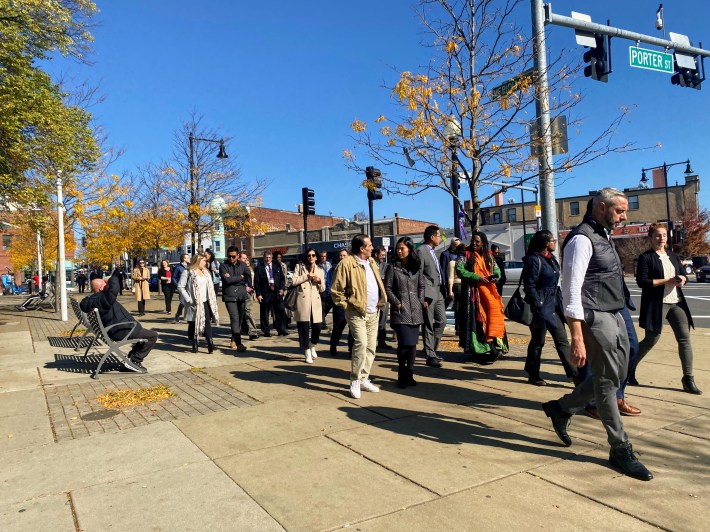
x,y
193,214
452,132
666,166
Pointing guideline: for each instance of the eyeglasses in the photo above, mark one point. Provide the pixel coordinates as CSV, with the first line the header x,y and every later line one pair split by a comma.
x,y
310,255
232,256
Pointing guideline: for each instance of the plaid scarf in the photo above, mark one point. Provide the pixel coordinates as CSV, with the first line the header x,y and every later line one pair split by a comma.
x,y
194,289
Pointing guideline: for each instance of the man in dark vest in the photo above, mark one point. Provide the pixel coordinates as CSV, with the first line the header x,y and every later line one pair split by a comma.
x,y
593,294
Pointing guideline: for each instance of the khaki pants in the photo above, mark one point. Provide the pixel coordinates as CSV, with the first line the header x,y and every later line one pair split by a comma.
x,y
364,331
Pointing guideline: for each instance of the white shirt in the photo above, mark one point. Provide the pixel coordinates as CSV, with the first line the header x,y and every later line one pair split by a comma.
x,y
670,292
202,283
373,289
578,253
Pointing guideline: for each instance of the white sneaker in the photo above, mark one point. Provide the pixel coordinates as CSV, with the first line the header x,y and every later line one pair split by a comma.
x,y
355,389
368,386
313,353
309,358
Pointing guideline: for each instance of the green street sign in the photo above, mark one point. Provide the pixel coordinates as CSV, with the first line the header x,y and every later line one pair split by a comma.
x,y
513,84
651,60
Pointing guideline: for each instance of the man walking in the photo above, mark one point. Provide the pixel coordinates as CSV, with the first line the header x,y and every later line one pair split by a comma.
x,y
434,310
235,278
270,285
248,323
177,273
380,256
447,256
495,251
357,288
593,295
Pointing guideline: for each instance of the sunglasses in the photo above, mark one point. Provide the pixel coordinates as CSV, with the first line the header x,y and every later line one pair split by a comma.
x,y
311,255
232,256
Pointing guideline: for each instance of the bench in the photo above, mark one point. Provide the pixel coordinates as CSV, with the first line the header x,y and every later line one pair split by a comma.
x,y
82,319
113,347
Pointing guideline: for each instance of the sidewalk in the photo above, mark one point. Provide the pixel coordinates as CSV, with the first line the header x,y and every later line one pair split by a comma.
x,y
263,441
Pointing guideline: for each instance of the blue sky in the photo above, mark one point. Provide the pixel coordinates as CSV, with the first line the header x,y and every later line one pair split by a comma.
x,y
286,79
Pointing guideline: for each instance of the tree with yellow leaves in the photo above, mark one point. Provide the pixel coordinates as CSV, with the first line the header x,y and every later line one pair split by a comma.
x,y
448,115
23,247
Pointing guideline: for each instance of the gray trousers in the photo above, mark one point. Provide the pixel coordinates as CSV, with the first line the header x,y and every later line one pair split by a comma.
x,y
434,323
607,345
678,321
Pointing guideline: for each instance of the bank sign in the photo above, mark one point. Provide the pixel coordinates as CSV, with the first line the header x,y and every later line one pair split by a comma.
x,y
651,60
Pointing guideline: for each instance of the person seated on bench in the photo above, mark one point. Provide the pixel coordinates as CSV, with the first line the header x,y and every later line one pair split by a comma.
x,y
111,312
33,301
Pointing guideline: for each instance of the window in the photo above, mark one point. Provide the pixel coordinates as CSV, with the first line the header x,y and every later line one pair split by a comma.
x,y
217,246
574,208
496,217
633,203
511,215
217,226
6,240
288,227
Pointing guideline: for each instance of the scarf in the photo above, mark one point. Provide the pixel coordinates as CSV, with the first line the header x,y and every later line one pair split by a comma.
x,y
194,289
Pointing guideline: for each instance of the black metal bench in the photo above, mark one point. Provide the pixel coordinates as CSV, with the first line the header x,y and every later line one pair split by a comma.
x,y
114,347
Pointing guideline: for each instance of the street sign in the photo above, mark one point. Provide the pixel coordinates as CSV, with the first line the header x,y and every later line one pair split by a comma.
x,y
513,84
538,211
558,132
651,59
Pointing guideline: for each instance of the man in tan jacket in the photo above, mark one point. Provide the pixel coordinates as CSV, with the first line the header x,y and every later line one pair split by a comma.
x,y
357,287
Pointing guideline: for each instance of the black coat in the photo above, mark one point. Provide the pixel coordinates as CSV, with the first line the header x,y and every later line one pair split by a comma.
x,y
541,276
649,268
261,280
404,287
235,279
110,310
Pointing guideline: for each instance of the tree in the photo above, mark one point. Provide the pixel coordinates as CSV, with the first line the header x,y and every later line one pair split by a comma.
x,y
476,45
695,230
42,133
193,190
23,247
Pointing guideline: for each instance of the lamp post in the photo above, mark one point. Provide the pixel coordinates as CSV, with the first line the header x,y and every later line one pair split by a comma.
x,y
452,132
665,166
61,273
193,215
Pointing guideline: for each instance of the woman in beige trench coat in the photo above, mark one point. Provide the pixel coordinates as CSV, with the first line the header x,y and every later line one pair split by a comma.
x,y
141,288
309,281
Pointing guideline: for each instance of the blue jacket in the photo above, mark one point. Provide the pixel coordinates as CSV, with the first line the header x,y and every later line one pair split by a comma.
x,y
541,276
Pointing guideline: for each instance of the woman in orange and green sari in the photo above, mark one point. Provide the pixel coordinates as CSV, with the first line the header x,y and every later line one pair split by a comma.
x,y
483,322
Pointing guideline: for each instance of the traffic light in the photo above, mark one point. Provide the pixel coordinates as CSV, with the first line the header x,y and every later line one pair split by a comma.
x,y
309,202
687,77
599,59
374,179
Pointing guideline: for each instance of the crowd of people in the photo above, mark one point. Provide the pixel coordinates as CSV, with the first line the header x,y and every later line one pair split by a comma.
x,y
587,293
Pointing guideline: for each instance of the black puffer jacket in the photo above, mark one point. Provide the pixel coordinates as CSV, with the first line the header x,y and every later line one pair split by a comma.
x,y
404,287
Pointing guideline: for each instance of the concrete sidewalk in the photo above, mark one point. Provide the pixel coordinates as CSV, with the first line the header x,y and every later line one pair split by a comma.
x,y
263,441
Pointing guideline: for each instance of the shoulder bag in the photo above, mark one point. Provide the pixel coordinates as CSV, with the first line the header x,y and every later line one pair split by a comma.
x,y
517,309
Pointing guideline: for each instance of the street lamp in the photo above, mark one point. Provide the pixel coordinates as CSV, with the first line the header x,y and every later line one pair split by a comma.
x,y
193,215
61,263
452,132
665,166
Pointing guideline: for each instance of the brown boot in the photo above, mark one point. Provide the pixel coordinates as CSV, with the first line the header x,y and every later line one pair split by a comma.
x,y
625,409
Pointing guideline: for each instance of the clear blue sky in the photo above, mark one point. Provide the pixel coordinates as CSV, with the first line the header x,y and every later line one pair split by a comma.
x,y
286,79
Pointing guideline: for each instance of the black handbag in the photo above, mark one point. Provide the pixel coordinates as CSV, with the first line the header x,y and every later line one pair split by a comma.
x,y
291,298
518,309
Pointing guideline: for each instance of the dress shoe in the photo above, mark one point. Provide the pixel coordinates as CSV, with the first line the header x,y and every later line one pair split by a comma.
x,y
624,459
592,412
433,362
625,409
333,352
267,333
632,380
402,378
241,348
560,420
537,381
689,385
253,337
210,346
194,346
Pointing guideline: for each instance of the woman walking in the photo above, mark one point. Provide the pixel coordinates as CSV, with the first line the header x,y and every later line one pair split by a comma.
x,y
140,276
660,276
541,275
404,284
483,327
309,281
197,290
165,273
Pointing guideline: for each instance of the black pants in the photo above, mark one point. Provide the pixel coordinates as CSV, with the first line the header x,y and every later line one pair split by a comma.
x,y
272,303
178,314
327,303
192,333
168,291
537,342
147,339
336,333
141,307
236,317
303,339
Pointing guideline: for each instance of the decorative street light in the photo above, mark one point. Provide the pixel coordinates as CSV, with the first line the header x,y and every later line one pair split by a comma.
x,y
193,214
61,262
665,166
452,132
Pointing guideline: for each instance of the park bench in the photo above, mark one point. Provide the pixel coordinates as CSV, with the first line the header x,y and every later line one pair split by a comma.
x,y
113,347
83,320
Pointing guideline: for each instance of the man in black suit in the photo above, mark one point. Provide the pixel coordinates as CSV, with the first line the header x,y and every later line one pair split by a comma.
x,y
236,277
270,285
112,312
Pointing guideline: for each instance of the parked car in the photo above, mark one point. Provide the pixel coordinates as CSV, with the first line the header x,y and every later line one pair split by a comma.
x,y
513,269
702,273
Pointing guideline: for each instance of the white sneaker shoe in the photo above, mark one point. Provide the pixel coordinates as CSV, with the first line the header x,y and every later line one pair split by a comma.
x,y
313,353
309,358
355,389
368,386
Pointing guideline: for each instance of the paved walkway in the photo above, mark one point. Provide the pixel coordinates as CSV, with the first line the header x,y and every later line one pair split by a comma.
x,y
263,441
